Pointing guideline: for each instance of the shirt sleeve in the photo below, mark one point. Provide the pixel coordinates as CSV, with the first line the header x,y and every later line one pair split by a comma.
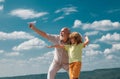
x,y
53,38
67,47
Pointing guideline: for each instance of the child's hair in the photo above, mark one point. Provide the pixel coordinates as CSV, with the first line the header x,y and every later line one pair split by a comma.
x,y
77,37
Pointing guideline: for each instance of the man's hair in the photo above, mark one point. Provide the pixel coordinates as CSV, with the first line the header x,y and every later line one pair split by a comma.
x,y
76,36
66,29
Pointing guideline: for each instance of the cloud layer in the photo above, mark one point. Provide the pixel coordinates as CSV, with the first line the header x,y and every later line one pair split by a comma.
x,y
27,13
15,35
65,11
30,44
103,25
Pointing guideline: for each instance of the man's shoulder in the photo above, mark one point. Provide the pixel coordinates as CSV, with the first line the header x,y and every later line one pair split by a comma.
x,y
53,37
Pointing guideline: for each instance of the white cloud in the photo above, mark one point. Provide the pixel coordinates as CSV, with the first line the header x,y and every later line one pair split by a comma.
x,y
59,18
27,13
77,23
114,10
115,48
92,50
67,10
1,51
92,53
18,67
33,22
2,1
112,53
15,35
103,25
45,58
12,54
32,43
92,46
109,57
1,7
92,33
110,38
38,65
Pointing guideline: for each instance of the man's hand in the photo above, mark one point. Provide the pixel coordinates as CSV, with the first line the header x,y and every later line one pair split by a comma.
x,y
31,25
40,32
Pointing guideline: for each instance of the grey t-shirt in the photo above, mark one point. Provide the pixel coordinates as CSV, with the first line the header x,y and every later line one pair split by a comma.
x,y
60,55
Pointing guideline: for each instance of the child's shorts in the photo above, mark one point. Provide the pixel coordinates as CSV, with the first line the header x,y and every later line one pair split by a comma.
x,y
74,70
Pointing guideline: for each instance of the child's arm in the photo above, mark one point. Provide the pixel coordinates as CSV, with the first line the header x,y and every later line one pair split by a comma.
x,y
86,41
57,46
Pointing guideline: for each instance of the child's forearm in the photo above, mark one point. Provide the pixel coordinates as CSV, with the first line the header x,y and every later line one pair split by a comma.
x,y
57,46
86,41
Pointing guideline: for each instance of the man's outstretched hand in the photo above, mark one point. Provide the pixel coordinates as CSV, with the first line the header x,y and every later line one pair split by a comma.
x,y
31,25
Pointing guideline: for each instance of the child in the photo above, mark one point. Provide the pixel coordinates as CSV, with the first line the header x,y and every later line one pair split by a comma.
x,y
75,53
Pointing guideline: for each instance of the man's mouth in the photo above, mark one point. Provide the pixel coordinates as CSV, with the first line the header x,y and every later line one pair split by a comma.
x,y
62,35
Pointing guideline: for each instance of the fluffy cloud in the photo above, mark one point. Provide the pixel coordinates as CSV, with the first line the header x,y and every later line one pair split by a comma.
x,y
27,13
92,46
77,24
103,25
34,65
56,19
92,33
11,54
114,10
92,50
115,48
109,57
45,58
65,11
110,38
1,51
20,67
2,0
1,7
32,43
112,53
15,35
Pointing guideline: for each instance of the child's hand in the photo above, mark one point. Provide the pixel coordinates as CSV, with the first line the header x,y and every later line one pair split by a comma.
x,y
86,37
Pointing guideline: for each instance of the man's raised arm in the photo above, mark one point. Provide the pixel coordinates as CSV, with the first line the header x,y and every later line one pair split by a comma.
x,y
41,33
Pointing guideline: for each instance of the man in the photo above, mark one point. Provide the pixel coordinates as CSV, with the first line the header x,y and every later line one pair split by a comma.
x,y
60,59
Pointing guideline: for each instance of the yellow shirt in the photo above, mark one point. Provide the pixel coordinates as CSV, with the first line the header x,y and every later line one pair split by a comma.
x,y
74,52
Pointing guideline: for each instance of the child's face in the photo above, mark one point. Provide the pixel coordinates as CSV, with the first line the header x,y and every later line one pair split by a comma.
x,y
72,40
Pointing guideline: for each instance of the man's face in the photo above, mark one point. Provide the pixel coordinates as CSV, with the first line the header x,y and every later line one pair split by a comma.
x,y
64,34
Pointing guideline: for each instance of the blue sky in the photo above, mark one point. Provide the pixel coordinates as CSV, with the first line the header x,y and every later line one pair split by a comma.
x,y
23,52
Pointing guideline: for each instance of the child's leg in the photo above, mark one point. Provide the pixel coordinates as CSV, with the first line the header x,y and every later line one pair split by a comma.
x,y
71,70
75,70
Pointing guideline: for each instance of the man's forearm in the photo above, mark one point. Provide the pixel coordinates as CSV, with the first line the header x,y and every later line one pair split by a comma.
x,y
41,33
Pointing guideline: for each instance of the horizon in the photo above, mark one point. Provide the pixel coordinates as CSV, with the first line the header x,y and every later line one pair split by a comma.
x,y
58,72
